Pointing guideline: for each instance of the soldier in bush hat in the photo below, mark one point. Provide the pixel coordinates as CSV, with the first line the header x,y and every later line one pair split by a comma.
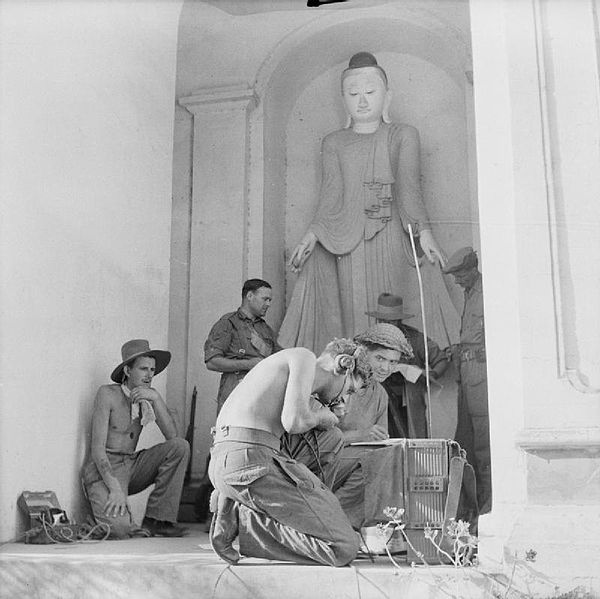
x,y
115,469
472,430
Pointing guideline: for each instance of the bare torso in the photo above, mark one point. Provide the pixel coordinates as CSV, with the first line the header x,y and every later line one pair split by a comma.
x,y
123,433
257,402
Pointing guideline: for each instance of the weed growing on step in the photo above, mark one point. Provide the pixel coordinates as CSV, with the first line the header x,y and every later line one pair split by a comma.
x,y
457,547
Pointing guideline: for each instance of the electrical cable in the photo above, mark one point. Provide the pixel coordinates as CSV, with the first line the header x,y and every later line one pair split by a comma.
x,y
68,533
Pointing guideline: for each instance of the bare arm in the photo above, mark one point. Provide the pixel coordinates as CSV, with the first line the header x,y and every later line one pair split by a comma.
x,y
297,415
117,498
223,364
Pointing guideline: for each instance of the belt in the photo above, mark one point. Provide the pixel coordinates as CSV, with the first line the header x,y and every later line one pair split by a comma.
x,y
468,354
245,435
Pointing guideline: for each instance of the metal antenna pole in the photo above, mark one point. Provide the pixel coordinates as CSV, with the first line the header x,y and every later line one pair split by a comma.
x,y
423,321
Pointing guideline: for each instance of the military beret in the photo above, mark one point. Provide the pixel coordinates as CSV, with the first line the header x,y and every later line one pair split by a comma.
x,y
463,259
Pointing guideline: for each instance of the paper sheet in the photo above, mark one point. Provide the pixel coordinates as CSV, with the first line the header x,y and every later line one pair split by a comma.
x,y
410,372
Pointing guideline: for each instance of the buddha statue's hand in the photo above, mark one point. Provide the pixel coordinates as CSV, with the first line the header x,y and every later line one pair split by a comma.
x,y
431,248
302,251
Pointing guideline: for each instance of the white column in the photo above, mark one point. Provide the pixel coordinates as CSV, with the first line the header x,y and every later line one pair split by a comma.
x,y
256,176
537,126
218,236
499,258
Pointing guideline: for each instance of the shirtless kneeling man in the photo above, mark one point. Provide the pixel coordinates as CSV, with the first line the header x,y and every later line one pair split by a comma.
x,y
279,509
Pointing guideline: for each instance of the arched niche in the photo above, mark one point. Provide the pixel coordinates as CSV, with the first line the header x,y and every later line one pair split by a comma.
x,y
298,91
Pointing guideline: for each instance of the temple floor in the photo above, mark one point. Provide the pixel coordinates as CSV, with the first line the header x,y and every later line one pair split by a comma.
x,y
162,568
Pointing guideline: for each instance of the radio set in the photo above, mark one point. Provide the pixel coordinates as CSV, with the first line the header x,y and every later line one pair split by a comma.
x,y
49,523
431,481
439,485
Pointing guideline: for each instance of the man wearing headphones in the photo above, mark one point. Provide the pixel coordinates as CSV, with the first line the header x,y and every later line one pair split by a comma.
x,y
276,506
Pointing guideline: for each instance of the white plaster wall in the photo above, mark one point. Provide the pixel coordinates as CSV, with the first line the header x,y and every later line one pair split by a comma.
x,y
86,114
500,265
213,32
528,176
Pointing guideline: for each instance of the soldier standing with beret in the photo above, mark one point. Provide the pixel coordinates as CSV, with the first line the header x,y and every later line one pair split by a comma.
x,y
472,429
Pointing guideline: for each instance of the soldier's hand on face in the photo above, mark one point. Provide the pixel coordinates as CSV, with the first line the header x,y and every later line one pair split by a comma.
x,y
117,504
340,410
147,393
327,420
377,433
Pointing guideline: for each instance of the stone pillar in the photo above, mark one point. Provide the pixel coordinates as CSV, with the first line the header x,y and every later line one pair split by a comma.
x,y
218,235
538,139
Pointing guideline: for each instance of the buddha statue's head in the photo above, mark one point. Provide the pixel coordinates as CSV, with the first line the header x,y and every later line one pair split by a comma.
x,y
365,91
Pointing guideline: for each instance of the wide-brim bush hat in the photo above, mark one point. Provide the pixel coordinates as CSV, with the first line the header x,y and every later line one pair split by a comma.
x,y
389,307
136,348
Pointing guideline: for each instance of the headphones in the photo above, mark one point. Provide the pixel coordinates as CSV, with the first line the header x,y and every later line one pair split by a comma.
x,y
344,364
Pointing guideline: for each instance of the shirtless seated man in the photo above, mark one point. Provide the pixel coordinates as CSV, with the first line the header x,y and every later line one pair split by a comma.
x,y
115,469
279,509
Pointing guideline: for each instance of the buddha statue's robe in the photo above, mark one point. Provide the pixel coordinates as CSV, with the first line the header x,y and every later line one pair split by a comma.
x,y
370,193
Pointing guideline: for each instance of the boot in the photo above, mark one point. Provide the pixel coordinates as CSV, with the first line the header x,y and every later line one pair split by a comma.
x,y
224,528
161,528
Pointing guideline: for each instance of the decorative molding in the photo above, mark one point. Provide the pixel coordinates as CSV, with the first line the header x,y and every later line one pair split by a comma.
x,y
552,444
238,97
579,382
445,31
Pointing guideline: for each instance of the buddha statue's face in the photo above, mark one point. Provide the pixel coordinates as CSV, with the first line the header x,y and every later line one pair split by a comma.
x,y
365,95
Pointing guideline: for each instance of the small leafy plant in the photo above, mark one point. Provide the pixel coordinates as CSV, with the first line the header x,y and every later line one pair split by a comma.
x,y
459,547
464,544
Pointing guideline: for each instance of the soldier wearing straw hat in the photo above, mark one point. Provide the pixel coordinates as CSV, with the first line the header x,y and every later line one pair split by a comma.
x,y
407,408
